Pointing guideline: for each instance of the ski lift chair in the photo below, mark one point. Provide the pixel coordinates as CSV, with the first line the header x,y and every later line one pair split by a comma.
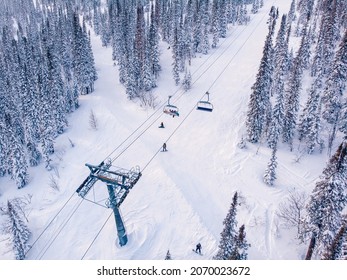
x,y
170,109
205,105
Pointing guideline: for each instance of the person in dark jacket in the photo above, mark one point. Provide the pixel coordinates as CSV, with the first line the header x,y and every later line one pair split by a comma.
x,y
164,147
198,248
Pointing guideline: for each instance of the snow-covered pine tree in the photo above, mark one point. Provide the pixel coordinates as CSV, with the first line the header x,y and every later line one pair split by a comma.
x,y
291,103
255,6
12,86
140,47
310,122
335,250
304,8
4,135
229,234
241,247
168,256
342,13
327,202
17,229
122,37
64,51
187,80
56,91
343,125
215,23
106,35
243,17
166,21
84,67
329,34
131,86
148,77
277,86
179,23
231,12
176,59
334,91
153,45
223,18
291,13
47,122
259,106
188,29
4,166
19,171
204,18
29,102
277,121
270,172
115,22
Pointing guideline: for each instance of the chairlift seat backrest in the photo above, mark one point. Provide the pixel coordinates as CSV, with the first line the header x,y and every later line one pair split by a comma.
x,y
204,106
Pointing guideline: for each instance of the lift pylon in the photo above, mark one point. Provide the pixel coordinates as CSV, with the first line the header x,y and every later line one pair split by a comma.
x,y
119,182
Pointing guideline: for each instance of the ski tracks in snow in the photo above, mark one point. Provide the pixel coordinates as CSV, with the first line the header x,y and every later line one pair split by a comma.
x,y
269,232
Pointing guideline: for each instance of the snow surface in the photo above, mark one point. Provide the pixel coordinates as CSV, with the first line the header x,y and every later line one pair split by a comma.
x,y
184,194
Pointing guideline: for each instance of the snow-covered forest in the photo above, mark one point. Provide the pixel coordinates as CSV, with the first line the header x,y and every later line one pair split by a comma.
x,y
59,58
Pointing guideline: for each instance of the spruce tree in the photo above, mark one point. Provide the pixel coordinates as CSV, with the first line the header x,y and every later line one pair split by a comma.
x,y
148,77
176,59
227,243
328,36
255,6
223,18
215,23
153,45
188,29
168,256
17,229
277,87
241,247
335,250
327,202
291,13
292,95
204,45
187,80
19,170
334,91
270,172
310,121
259,106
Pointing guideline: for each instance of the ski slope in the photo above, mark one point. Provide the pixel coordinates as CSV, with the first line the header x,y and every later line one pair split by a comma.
x,y
184,194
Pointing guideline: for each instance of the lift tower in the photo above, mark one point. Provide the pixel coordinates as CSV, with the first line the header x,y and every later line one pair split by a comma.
x,y
118,182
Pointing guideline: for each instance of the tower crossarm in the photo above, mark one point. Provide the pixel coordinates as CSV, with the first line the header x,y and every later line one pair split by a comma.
x,y
89,182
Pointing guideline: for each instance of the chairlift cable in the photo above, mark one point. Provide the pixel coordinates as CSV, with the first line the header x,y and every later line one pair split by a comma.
x,y
61,228
47,226
91,244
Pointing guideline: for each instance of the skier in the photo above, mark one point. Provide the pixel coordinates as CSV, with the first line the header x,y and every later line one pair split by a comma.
x,y
198,248
164,147
161,125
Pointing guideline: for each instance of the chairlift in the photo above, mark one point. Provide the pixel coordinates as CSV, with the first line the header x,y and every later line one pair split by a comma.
x,y
205,105
170,109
